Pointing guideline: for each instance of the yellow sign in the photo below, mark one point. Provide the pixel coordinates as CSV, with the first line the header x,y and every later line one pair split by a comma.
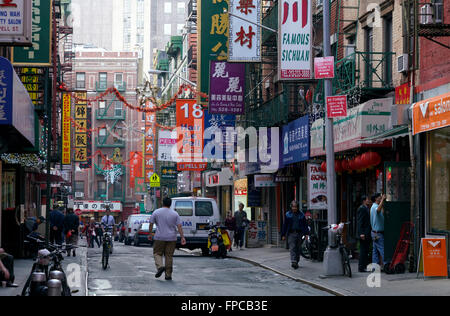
x,y
66,138
155,181
81,134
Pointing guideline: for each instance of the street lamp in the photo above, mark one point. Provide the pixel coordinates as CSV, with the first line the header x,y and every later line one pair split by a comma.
x,y
158,72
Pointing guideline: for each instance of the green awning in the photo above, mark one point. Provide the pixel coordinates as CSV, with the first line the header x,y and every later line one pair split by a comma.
x,y
396,132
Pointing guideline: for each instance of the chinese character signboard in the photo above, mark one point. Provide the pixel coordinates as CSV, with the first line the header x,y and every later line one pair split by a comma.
x,y
296,141
257,234
85,127
317,188
190,125
434,251
431,114
6,92
295,39
245,37
33,81
169,173
227,88
337,106
149,150
213,27
40,53
167,146
135,167
15,22
403,94
213,124
81,134
66,126
324,67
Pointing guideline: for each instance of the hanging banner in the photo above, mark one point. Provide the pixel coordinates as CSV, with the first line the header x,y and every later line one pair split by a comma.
x,y
66,127
317,188
213,26
245,37
150,141
167,146
40,53
81,135
295,40
190,125
135,167
15,22
227,88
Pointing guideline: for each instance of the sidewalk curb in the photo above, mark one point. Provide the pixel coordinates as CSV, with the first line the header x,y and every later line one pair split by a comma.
x,y
307,282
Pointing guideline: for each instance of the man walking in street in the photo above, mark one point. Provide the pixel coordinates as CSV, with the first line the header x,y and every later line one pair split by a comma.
x,y
71,224
56,219
294,227
364,233
377,223
165,240
241,225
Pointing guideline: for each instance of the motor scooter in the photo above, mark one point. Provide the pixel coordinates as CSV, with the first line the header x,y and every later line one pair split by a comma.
x,y
218,241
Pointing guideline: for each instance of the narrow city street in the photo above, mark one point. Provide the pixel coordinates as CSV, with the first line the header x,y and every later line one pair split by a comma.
x,y
132,273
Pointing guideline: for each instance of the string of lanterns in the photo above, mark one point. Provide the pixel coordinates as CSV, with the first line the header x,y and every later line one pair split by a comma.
x,y
359,163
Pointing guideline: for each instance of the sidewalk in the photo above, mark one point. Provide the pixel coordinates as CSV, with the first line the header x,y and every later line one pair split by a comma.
x,y
22,269
278,260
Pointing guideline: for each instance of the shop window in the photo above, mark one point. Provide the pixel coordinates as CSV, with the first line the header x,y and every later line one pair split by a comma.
x,y
439,184
184,208
81,80
203,209
8,190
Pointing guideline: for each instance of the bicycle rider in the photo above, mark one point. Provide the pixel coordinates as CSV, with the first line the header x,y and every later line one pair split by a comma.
x,y
109,221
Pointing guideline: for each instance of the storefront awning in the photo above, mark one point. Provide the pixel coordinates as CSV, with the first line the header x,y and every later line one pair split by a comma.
x,y
431,114
394,133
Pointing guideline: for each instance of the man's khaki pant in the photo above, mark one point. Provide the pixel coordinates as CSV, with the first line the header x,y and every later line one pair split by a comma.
x,y
166,249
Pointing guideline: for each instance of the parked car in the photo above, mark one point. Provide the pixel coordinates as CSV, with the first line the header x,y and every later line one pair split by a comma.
x,y
196,215
132,227
141,236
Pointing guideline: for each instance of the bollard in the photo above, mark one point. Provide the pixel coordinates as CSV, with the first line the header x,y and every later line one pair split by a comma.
x,y
54,287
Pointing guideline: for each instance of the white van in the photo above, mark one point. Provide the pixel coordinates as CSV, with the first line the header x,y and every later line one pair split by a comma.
x,y
132,227
196,214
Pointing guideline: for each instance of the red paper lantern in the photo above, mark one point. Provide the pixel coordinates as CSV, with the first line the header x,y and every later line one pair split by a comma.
x,y
374,159
323,167
358,163
365,160
352,164
346,165
338,166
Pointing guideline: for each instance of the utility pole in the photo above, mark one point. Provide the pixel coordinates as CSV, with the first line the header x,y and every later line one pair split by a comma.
x,y
332,258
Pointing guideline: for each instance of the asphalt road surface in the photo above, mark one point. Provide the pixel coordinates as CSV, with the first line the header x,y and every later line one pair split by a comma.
x,y
132,273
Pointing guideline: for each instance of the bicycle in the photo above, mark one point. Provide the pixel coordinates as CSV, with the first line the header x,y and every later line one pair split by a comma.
x,y
48,255
107,246
309,248
338,229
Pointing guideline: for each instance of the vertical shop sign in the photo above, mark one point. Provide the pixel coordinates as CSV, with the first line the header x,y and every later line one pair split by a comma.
x,y
317,188
149,150
40,53
81,134
66,126
295,40
245,37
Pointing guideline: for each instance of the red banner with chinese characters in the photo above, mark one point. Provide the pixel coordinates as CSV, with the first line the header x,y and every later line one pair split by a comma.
x,y
135,167
403,94
66,128
190,126
150,141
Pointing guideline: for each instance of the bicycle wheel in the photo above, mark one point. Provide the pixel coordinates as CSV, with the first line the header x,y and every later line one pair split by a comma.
x,y
305,249
105,257
346,262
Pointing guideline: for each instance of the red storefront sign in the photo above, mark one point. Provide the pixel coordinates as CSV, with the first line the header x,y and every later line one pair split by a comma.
x,y
403,94
337,106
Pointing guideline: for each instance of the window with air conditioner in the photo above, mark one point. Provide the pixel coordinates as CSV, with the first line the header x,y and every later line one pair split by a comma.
x,y
426,14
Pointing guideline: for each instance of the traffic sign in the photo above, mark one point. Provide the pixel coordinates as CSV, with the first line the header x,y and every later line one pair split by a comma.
x,y
155,181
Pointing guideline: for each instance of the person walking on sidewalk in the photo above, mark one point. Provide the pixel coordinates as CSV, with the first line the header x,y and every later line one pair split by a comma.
x,y
230,224
241,224
294,227
71,224
364,233
165,240
7,269
56,219
377,223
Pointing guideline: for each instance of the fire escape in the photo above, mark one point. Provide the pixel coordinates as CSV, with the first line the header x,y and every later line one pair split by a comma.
x,y
430,19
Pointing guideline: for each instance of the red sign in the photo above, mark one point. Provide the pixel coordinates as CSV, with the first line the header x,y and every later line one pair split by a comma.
x,y
135,167
324,67
149,150
403,94
434,257
190,126
337,106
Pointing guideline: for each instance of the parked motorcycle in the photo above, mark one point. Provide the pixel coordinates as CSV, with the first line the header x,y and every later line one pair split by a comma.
x,y
47,277
218,241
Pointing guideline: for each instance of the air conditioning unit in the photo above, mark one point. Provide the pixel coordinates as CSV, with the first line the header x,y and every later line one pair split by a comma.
x,y
426,14
402,63
79,195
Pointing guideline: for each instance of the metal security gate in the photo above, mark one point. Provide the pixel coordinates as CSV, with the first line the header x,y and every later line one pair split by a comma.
x,y
273,221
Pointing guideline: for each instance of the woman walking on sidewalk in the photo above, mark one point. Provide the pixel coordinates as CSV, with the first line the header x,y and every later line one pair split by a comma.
x,y
293,228
230,224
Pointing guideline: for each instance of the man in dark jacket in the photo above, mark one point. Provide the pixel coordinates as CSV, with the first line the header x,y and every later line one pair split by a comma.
x,y
71,224
56,219
294,227
364,233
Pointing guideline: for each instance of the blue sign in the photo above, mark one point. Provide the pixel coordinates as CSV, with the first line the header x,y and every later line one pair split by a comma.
x,y
6,91
296,141
220,121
